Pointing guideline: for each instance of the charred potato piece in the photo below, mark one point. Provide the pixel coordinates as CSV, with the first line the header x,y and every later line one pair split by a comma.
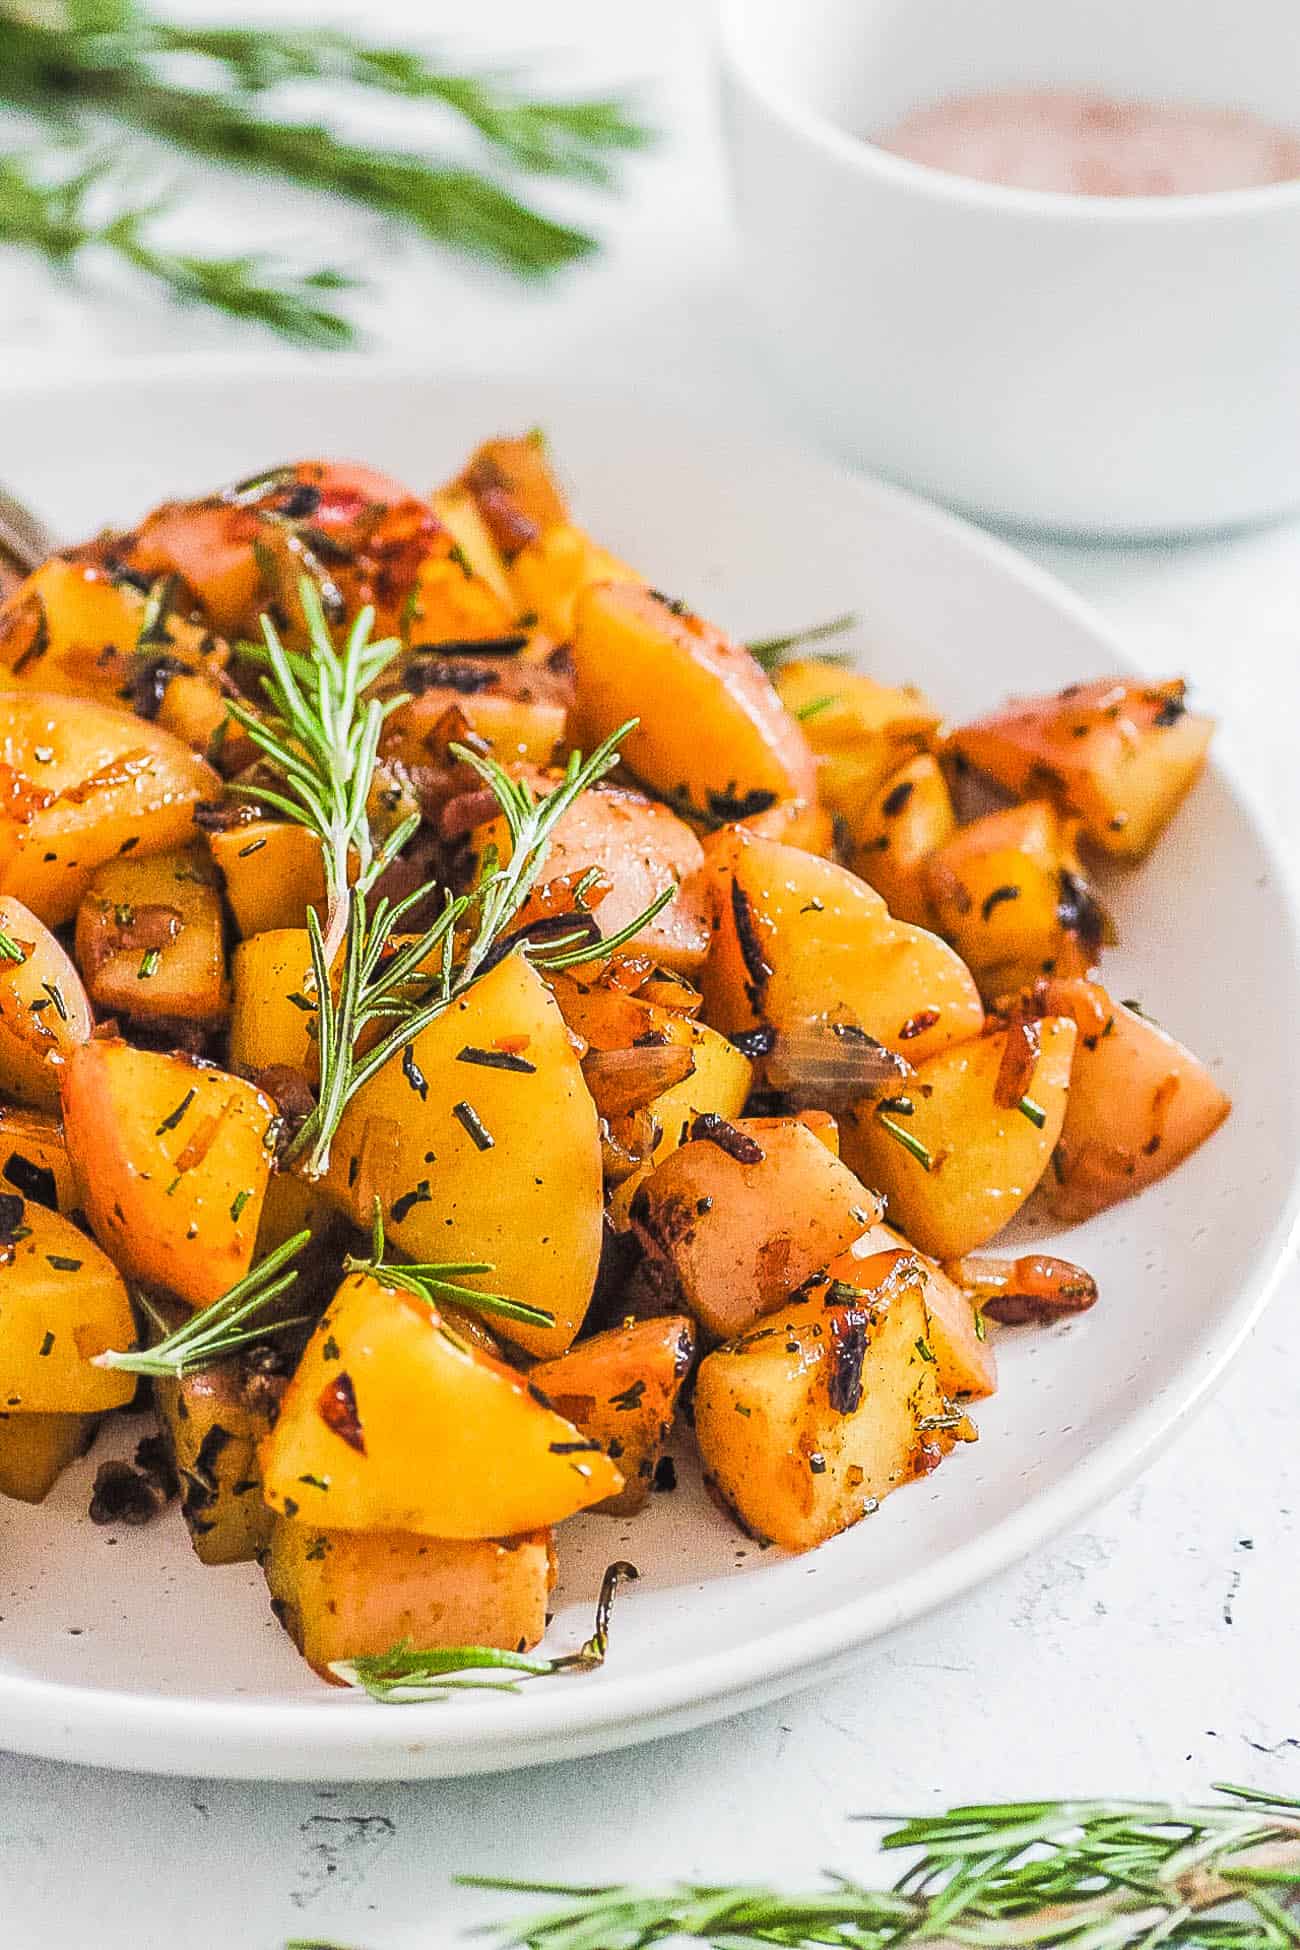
x,y
213,1419
34,1158
910,817
743,1215
36,1449
814,1416
620,1389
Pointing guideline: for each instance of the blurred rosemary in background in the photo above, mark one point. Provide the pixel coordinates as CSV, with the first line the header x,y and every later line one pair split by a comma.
x,y
80,66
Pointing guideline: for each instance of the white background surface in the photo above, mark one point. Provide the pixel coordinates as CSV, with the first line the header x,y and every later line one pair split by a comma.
x,y
1151,1651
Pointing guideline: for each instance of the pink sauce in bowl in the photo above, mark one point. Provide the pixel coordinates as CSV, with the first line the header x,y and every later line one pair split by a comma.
x,y
1082,144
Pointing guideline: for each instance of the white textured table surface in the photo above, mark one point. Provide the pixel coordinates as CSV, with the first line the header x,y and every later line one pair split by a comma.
x,y
1151,1650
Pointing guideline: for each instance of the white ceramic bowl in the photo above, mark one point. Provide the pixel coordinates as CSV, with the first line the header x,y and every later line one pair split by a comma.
x,y
1126,366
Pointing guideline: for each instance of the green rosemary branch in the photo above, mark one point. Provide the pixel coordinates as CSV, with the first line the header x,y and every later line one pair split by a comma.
x,y
433,1281
770,652
111,57
53,211
1082,1875
403,1676
550,137
221,1328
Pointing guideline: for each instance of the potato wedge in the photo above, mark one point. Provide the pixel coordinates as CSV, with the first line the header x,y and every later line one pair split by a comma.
x,y
150,939
273,1011
482,1143
1139,1103
910,817
214,1419
44,1010
36,1449
492,1460
809,1420
798,940
620,1389
62,1301
171,1159
956,1167
83,784
1120,753
742,1215
343,1594
711,733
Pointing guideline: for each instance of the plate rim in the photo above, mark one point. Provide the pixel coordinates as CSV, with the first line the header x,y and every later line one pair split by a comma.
x,y
338,1737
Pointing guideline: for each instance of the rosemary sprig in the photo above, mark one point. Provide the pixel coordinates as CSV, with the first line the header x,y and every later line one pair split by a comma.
x,y
1082,1875
318,735
551,137
112,57
54,210
433,1281
770,652
221,1328
403,1676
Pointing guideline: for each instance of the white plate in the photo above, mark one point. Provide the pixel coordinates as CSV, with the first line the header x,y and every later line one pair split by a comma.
x,y
117,1648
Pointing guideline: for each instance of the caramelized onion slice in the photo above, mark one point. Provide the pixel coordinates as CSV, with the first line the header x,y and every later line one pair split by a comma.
x,y
1034,1288
1020,1055
623,1080
829,1065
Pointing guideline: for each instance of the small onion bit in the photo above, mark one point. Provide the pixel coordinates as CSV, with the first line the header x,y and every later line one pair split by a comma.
x,y
1035,1288
823,1065
1020,1055
624,1080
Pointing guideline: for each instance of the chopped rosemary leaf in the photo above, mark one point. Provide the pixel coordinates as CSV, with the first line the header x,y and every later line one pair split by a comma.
x,y
9,948
1034,1112
148,964
771,652
901,1135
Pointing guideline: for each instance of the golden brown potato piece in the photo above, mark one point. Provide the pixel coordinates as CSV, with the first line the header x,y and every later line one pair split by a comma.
x,y
861,730
273,873
1139,1104
36,1449
954,1164
481,1141
550,573
1009,893
343,1594
150,939
797,822
44,1011
34,1158
273,1008
801,940
806,1422
639,848
743,1215
492,1460
62,1301
81,784
711,733
213,1419
172,1159
963,1352
1120,753
909,818
458,512
620,1389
